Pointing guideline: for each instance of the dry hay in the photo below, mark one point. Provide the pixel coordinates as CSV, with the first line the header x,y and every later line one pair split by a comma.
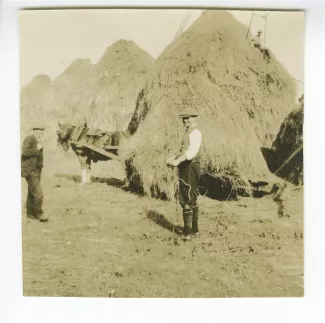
x,y
64,96
240,97
287,142
33,92
57,101
109,98
30,96
103,94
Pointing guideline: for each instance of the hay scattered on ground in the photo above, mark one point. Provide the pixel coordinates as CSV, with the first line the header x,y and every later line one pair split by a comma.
x,y
240,97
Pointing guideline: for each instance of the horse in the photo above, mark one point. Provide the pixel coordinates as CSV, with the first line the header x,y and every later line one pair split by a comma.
x,y
75,136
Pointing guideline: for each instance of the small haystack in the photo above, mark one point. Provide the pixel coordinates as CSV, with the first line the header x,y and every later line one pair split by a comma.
x,y
64,96
288,147
59,98
240,97
109,99
30,96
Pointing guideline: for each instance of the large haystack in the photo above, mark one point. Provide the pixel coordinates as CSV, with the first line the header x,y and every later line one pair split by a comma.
x,y
240,97
109,99
289,142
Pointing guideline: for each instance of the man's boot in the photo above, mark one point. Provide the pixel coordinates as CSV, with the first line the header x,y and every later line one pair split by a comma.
x,y
42,218
30,216
195,222
187,217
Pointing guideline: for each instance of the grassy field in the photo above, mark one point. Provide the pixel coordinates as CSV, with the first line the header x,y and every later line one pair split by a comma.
x,y
103,241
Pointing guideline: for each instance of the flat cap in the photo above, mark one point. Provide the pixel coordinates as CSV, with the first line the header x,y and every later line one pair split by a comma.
x,y
188,112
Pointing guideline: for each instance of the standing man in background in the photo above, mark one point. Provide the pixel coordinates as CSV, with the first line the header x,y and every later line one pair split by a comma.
x,y
31,169
188,163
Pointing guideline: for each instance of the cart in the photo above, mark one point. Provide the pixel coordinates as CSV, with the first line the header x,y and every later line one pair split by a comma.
x,y
96,153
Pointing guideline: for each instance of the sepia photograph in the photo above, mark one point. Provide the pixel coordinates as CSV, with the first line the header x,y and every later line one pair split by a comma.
x,y
162,153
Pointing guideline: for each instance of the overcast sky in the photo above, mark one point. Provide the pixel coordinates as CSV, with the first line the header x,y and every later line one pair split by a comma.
x,y
51,39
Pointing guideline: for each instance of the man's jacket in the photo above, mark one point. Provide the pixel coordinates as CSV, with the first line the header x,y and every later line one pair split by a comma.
x,y
31,156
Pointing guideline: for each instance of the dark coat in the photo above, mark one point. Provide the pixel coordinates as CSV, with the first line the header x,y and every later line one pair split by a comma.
x,y
31,156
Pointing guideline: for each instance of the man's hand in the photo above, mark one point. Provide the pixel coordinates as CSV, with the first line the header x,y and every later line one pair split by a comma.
x,y
39,146
169,160
176,160
175,163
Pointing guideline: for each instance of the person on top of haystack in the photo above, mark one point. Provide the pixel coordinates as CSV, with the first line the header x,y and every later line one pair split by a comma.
x,y
188,163
257,43
31,168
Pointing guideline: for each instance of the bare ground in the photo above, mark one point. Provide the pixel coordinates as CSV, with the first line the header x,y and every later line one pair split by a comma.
x,y
103,241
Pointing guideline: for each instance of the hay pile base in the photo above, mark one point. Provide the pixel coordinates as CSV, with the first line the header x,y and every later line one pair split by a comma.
x,y
240,97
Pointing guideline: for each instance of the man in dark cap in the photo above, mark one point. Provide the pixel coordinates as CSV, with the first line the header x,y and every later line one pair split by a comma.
x,y
188,163
31,168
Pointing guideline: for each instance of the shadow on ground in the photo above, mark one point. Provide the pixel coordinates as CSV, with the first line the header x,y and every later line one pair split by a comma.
x,y
160,219
272,159
106,180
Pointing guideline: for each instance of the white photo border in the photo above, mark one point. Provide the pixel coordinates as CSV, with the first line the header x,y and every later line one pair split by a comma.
x,y
16,308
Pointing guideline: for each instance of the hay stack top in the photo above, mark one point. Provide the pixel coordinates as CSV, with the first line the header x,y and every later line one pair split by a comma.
x,y
64,95
30,97
241,100
38,83
214,51
124,55
79,69
33,92
109,99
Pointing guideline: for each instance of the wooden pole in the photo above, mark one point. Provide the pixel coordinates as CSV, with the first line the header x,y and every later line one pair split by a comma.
x,y
288,159
182,26
265,30
298,80
117,121
249,27
265,25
